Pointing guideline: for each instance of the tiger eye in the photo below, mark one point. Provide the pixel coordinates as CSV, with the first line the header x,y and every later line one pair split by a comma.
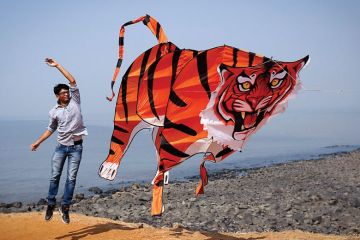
x,y
274,82
246,85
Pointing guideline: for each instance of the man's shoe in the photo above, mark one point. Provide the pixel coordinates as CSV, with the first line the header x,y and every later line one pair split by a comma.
x,y
64,212
49,212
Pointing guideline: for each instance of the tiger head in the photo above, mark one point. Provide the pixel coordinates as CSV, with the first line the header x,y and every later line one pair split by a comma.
x,y
248,96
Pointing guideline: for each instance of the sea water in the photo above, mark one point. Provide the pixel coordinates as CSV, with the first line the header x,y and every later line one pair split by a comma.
x,y
24,175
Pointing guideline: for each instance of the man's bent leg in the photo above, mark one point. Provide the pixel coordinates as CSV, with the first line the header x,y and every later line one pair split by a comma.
x,y
74,159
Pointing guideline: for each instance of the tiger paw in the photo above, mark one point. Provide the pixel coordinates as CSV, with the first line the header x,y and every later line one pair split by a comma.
x,y
108,170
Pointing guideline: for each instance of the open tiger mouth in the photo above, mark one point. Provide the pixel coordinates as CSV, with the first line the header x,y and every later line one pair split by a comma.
x,y
246,123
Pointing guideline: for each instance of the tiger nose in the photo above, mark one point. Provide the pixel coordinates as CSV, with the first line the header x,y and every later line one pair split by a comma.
x,y
253,101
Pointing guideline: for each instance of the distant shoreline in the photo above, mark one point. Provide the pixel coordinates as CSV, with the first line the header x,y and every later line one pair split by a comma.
x,y
108,186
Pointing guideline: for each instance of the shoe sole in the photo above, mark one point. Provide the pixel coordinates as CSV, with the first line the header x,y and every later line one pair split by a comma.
x,y
61,214
49,219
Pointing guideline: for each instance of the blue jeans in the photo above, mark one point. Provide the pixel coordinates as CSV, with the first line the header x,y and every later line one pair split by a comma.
x,y
73,155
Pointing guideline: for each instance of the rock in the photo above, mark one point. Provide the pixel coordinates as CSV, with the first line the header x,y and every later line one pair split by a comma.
x,y
333,202
135,186
95,190
14,205
144,199
299,217
354,202
317,220
41,202
288,207
177,225
315,197
79,196
111,191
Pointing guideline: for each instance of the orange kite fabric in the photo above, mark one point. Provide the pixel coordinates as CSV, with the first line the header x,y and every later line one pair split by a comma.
x,y
208,101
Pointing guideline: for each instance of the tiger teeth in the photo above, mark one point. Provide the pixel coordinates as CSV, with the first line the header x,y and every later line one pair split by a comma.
x,y
258,112
243,115
242,127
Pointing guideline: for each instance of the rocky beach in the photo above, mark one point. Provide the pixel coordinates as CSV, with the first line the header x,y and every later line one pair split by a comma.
x,y
319,196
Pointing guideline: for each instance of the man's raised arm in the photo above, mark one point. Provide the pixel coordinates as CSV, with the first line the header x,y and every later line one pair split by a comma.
x,y
52,63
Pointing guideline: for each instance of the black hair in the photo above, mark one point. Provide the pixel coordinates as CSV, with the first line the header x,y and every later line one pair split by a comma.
x,y
60,86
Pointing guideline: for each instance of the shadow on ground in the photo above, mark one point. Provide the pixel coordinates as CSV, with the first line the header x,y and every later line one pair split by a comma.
x,y
94,230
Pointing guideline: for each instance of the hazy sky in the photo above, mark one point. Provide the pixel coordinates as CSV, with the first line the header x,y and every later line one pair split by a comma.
x,y
83,37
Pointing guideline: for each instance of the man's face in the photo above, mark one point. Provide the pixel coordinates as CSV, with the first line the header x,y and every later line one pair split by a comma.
x,y
63,96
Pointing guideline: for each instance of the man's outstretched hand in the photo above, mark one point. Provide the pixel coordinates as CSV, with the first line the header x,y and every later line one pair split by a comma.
x,y
51,62
34,146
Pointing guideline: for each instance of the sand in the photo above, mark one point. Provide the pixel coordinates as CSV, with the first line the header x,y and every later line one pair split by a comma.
x,y
33,226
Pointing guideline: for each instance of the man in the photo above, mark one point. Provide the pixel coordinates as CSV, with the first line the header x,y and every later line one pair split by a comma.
x,y
66,118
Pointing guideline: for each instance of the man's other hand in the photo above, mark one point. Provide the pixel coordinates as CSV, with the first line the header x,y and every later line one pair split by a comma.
x,y
51,62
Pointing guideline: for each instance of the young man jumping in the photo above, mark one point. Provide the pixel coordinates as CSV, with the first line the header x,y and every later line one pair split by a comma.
x,y
66,118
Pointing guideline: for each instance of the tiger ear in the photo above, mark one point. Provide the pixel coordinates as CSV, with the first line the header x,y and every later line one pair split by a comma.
x,y
224,72
300,64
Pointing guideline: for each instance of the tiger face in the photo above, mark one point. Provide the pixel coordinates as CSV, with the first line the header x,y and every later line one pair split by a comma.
x,y
246,97
250,95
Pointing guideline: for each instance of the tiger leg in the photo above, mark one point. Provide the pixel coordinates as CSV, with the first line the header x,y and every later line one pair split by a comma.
x,y
170,154
120,141
157,207
203,180
215,153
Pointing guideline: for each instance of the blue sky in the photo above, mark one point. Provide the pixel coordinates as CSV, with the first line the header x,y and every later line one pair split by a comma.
x,y
83,37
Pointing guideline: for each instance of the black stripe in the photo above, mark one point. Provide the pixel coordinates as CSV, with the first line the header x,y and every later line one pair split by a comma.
x,y
167,147
203,72
174,65
268,65
195,53
123,92
235,51
176,48
251,58
118,64
223,152
146,19
116,140
180,127
158,53
157,30
111,152
120,129
121,41
174,98
143,63
151,73
265,59
127,23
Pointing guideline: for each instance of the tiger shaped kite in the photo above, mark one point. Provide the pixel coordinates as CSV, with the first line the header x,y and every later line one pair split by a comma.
x,y
208,101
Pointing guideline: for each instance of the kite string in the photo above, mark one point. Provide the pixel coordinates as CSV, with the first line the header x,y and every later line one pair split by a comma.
x,y
339,91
